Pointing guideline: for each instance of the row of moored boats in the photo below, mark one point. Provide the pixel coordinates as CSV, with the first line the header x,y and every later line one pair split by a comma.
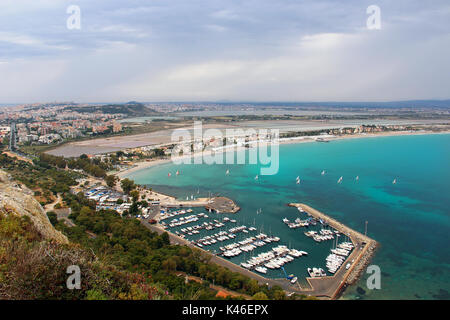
x,y
273,259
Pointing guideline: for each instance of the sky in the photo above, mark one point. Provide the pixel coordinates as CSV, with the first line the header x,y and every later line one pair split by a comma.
x,y
210,50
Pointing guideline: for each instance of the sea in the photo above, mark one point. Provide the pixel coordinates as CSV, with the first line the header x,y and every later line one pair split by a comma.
x,y
410,219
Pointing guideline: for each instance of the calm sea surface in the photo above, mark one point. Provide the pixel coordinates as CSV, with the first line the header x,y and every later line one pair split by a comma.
x,y
410,219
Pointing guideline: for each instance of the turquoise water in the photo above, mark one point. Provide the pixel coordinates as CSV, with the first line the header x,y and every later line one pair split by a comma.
x,y
410,220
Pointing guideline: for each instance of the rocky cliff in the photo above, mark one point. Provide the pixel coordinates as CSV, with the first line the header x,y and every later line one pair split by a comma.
x,y
18,199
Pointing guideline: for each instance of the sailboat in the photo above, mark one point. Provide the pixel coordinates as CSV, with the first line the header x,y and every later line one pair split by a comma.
x,y
298,180
395,181
340,179
323,172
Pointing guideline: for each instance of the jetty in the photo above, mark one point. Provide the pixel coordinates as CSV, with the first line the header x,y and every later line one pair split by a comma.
x,y
216,204
222,205
332,286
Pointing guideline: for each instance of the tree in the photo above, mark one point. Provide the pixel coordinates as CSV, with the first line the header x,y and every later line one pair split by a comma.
x,y
135,195
260,296
111,180
52,217
127,185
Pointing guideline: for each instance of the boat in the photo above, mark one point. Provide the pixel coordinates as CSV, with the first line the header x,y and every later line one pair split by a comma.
x,y
298,180
169,174
294,280
357,178
395,181
227,172
178,172
261,269
340,179
256,178
323,172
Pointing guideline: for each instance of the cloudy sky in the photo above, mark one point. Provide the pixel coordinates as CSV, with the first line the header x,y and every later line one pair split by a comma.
x,y
208,50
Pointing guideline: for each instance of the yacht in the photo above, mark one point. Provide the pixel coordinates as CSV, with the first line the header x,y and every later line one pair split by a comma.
x,y
261,269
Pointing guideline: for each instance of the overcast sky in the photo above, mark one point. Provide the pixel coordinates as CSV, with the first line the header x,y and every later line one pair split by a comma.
x,y
197,50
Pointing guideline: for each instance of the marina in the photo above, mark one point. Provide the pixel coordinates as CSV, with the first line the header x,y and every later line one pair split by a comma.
x,y
264,257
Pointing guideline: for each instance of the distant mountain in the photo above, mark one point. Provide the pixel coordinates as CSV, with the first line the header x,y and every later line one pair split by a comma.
x,y
130,109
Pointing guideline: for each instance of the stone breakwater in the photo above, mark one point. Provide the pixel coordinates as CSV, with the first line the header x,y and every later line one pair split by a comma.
x,y
360,265
332,286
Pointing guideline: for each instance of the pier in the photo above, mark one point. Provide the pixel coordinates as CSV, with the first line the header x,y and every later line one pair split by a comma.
x,y
216,204
222,205
331,286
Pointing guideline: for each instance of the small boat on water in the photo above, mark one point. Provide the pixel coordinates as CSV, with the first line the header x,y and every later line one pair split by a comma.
x,y
323,172
395,181
294,280
256,178
261,269
340,179
227,172
357,178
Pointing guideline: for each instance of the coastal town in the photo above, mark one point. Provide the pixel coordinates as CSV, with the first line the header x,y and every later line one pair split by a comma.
x,y
211,225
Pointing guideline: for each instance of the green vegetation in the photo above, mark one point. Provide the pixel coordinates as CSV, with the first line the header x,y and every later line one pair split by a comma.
x,y
34,268
120,257
127,185
45,179
94,167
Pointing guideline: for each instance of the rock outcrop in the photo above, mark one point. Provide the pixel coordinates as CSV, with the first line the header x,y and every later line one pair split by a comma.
x,y
18,199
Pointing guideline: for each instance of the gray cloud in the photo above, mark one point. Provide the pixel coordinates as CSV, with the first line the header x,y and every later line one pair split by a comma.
x,y
208,50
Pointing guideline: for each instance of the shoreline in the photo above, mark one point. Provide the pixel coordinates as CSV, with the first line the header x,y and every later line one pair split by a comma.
x,y
295,140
